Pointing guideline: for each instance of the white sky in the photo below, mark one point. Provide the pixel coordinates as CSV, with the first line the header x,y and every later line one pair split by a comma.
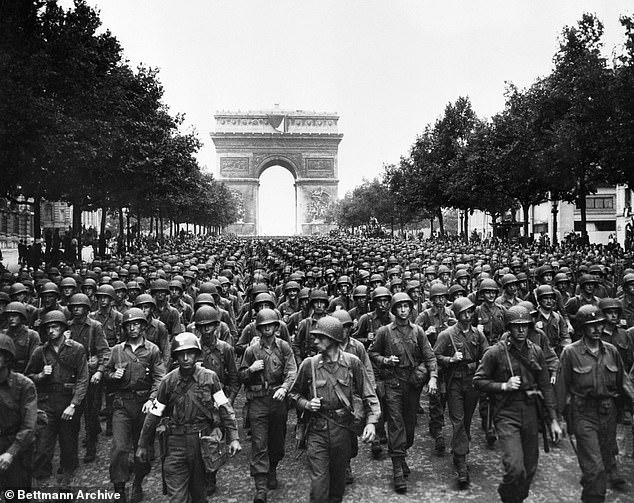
x,y
386,67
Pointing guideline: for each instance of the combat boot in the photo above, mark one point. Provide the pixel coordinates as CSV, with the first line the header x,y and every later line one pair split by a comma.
x,y
463,472
91,450
349,476
617,481
439,445
400,485
260,489
406,470
271,480
120,490
137,491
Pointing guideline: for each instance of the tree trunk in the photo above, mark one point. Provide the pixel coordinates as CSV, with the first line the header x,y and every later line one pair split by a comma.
x,y
431,226
161,219
466,226
441,223
581,201
102,234
151,224
525,210
37,218
77,227
555,210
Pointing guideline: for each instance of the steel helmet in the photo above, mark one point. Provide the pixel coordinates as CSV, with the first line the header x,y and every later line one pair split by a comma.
x,y
54,316
17,288
16,308
360,291
206,315
50,287
398,298
380,292
304,293
68,282
461,273
144,298
344,280
508,279
516,315
208,287
589,314
455,289
604,304
106,291
377,277
544,290
79,299
461,304
562,277
542,270
204,299
412,285
628,278
89,282
488,284
133,314
528,305
264,298
175,283
266,317
160,285
343,316
291,285
438,289
7,344
587,278
328,326
185,341
317,295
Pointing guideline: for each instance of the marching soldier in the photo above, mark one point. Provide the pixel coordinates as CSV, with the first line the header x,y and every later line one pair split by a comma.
x,y
324,387
407,362
515,371
24,339
267,370
17,423
59,369
186,398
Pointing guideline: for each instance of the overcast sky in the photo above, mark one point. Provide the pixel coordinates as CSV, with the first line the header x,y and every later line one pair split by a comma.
x,y
387,68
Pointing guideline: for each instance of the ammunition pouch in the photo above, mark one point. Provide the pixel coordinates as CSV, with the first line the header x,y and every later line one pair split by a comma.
x,y
213,450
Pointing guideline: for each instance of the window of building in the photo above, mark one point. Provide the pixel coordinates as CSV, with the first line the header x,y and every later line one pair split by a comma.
x,y
599,203
598,226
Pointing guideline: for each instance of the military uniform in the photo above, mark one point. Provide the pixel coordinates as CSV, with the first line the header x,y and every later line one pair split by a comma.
x,y
143,371
490,319
329,436
25,340
183,468
220,357
515,416
267,416
156,332
66,385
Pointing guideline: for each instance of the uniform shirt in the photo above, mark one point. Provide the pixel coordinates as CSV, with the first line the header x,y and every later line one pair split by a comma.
x,y
222,333
89,333
279,365
111,323
170,317
627,303
554,326
123,307
293,322
490,318
494,371
354,347
287,309
70,368
185,311
220,357
472,344
368,326
540,339
18,400
506,301
351,375
393,340
156,332
25,340
589,375
174,400
344,302
250,332
143,366
438,318
623,340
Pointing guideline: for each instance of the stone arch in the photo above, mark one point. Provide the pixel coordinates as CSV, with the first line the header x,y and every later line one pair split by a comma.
x,y
304,143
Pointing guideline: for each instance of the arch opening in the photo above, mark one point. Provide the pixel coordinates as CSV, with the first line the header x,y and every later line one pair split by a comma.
x,y
277,202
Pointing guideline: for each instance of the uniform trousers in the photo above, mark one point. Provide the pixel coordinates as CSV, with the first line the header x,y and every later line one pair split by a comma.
x,y
268,433
184,470
462,400
401,400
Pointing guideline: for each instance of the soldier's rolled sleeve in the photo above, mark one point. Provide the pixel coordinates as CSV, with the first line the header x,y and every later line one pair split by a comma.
x,y
290,366
81,379
429,358
366,391
28,409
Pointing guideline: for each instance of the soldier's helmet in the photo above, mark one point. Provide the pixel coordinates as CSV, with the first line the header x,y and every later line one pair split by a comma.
x,y
291,285
544,291
185,341
206,315
79,299
517,315
107,291
133,314
50,287
508,279
628,278
343,316
7,345
438,289
264,298
16,289
54,316
318,294
589,314
488,284
398,298
380,292
587,278
304,293
360,291
68,282
266,317
16,308
528,305
144,298
605,304
461,304
328,326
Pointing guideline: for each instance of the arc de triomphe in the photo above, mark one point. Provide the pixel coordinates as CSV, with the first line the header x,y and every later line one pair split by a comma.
x,y
305,143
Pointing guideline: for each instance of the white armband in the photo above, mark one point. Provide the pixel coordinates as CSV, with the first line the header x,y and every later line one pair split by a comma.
x,y
220,398
157,408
